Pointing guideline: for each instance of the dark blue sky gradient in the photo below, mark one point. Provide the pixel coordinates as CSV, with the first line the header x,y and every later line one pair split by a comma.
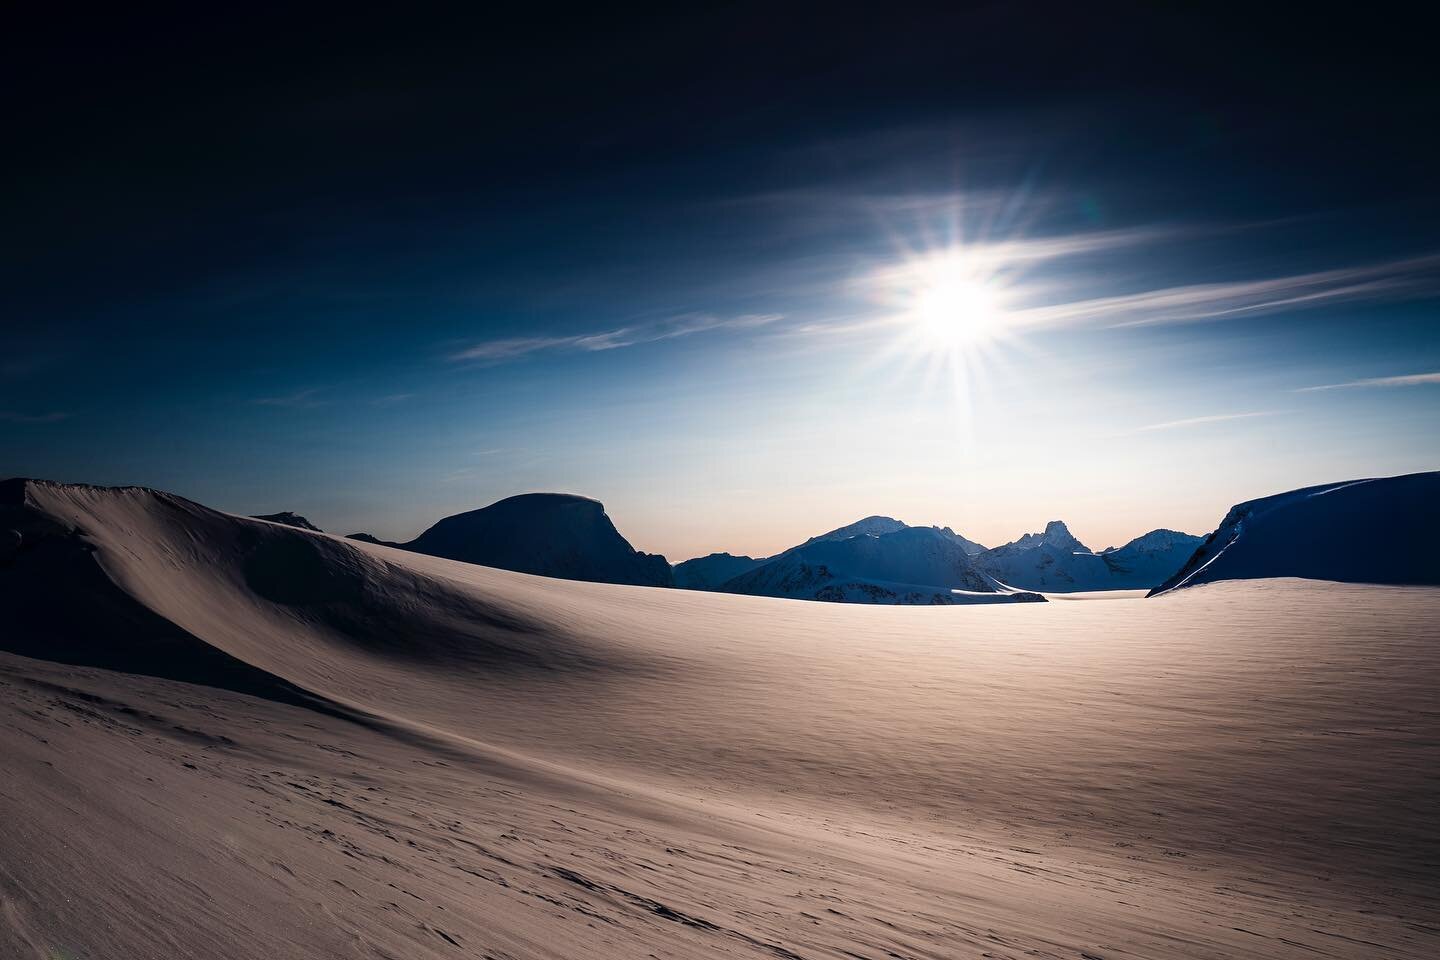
x,y
247,258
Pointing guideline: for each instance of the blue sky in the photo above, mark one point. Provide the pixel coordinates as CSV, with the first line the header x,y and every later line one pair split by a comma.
x,y
1092,305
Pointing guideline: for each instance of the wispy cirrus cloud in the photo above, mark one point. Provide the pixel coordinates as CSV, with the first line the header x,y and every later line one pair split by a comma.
x,y
504,349
300,398
1392,280
1405,380
1201,421
13,416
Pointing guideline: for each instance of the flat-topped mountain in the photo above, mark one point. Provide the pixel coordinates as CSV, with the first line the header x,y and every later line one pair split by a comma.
x,y
548,534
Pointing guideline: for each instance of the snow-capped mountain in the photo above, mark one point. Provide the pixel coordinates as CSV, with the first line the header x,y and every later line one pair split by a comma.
x,y
969,546
868,527
1361,531
550,534
707,573
924,565
873,560
1055,561
1149,559
899,563
920,555
1052,560
792,575
878,526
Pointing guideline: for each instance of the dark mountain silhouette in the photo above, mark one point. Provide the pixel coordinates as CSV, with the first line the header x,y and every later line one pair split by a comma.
x,y
1361,531
289,519
548,534
708,573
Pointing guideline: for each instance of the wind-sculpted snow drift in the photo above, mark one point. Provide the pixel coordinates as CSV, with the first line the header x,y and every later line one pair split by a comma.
x,y
231,738
198,595
1360,531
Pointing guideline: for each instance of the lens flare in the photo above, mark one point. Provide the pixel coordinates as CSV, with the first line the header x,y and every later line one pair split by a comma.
x,y
955,319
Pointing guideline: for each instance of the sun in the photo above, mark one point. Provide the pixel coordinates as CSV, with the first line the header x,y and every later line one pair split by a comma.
x,y
956,318
954,311
949,304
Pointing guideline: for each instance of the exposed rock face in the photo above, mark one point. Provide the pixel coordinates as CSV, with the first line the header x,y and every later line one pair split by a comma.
x,y
549,534
290,520
1362,531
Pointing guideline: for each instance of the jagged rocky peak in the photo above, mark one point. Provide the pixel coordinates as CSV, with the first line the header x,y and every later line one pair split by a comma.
x,y
1056,561
1056,534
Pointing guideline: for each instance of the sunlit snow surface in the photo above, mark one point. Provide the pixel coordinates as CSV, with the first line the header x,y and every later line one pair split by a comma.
x,y
543,768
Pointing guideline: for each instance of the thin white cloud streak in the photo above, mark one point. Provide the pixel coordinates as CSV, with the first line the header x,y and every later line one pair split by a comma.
x,y
1019,252
512,348
1398,279
12,416
300,398
1201,421
1407,380
1406,278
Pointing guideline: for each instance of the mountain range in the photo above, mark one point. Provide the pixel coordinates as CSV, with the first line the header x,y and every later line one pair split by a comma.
x,y
1054,561
909,565
1323,532
883,560
876,559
